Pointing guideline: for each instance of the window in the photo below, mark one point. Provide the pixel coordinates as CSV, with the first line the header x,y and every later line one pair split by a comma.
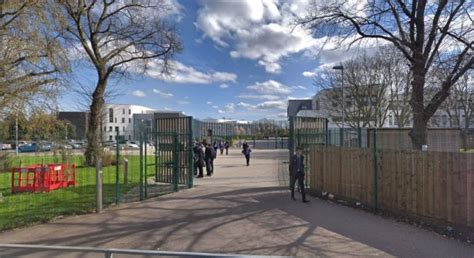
x,y
116,128
129,120
123,111
110,128
390,121
111,115
129,137
123,120
123,128
115,120
105,128
110,138
129,111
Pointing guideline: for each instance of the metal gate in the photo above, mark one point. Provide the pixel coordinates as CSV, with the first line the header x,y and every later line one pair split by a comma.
x,y
171,164
305,132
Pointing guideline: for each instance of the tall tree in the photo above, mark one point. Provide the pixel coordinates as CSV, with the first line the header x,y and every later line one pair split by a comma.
x,y
118,36
31,57
427,33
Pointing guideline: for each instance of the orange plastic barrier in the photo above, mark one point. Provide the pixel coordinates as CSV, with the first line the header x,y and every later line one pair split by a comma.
x,y
40,178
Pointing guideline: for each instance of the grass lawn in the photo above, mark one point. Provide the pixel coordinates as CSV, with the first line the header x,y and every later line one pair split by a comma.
x,y
21,209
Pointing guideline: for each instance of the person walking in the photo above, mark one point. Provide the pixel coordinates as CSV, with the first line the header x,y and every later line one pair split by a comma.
x,y
246,151
226,146
221,147
215,146
297,174
198,160
208,158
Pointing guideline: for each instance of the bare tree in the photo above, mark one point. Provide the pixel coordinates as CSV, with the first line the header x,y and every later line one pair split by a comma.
x,y
366,90
31,57
118,36
428,34
460,105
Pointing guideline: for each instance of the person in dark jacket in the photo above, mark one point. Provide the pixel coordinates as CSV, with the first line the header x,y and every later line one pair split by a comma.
x,y
221,147
198,159
209,156
226,146
297,173
246,151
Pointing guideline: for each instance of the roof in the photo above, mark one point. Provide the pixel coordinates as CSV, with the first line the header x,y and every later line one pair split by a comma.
x,y
295,105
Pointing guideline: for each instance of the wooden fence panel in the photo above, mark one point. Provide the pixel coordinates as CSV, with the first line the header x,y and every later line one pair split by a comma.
x,y
425,184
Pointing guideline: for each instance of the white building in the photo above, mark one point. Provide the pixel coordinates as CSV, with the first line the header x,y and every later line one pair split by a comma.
x,y
119,117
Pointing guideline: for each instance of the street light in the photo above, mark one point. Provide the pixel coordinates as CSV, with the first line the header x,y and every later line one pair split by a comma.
x,y
340,67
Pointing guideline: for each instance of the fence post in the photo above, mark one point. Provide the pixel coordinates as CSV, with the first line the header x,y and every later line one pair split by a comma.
x,y
98,183
125,171
291,143
341,136
117,168
359,136
190,153
175,162
156,156
145,153
141,167
376,171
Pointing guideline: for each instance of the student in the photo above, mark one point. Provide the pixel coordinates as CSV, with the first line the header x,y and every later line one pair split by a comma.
x,y
246,151
221,147
297,174
226,146
215,146
209,158
198,160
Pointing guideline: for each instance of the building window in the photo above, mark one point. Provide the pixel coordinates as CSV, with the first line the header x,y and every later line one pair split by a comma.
x,y
129,120
115,120
116,128
123,111
123,128
105,128
123,120
110,128
110,138
129,137
111,115
129,111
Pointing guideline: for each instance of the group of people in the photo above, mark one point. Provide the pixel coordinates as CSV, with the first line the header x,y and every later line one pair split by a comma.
x,y
205,154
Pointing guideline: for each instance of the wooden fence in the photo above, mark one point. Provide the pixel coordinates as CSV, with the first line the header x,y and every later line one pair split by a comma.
x,y
438,185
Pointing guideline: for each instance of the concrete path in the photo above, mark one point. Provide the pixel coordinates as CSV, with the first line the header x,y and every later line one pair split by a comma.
x,y
244,210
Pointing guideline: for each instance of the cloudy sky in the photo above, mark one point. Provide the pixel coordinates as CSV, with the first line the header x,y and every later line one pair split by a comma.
x,y
241,60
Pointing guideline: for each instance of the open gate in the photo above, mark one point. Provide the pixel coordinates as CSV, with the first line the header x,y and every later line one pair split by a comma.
x,y
171,164
305,132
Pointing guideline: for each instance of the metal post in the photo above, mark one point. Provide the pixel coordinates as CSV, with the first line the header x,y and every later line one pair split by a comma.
x,y
359,136
175,161
125,171
376,171
16,134
156,155
146,164
190,154
117,169
98,184
141,168
291,143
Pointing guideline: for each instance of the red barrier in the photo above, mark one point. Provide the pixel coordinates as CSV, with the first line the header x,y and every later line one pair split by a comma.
x,y
40,178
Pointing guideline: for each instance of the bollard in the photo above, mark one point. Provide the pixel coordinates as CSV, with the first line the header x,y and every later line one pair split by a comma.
x,y
98,184
125,171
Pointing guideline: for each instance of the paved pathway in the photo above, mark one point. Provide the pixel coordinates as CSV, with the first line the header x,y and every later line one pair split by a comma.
x,y
244,210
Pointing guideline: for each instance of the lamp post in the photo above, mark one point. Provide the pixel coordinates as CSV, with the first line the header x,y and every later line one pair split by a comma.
x,y
340,67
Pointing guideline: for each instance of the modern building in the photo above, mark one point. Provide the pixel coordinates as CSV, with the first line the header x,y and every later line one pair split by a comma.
x,y
119,118
79,120
144,122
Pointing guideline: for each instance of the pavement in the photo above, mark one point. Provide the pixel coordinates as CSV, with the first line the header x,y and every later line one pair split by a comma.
x,y
242,210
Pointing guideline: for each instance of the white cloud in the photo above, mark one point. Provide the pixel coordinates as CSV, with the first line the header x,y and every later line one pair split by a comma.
x,y
274,104
138,93
224,86
182,102
309,74
209,102
181,73
163,94
263,97
270,87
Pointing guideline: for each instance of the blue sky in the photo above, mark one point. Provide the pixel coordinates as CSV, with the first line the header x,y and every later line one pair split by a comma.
x,y
241,60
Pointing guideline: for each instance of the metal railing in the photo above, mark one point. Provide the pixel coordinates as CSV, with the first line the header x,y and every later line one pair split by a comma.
x,y
109,252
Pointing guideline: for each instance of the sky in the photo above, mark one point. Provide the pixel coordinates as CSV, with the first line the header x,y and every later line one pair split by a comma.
x,y
240,60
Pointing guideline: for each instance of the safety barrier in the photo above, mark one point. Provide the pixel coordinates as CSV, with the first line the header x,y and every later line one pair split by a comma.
x,y
42,178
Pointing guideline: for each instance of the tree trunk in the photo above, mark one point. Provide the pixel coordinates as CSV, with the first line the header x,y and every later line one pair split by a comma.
x,y
94,141
420,122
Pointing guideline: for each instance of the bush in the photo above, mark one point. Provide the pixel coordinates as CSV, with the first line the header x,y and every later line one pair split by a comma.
x,y
6,162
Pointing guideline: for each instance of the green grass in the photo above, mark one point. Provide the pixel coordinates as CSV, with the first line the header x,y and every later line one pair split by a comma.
x,y
467,151
22,209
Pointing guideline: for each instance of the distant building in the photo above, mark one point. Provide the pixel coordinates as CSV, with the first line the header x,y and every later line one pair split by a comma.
x,y
119,118
79,120
145,122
